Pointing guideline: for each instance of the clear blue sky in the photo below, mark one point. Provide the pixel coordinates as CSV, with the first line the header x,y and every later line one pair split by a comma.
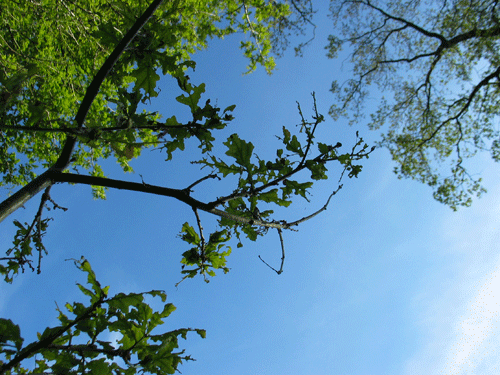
x,y
386,281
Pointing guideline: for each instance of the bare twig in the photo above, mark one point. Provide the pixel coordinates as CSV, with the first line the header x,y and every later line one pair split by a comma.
x,y
309,217
280,271
211,175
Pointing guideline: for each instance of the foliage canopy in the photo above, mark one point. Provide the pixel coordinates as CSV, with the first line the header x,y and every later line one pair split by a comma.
x,y
437,63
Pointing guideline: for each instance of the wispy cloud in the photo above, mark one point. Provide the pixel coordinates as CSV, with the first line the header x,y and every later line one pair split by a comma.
x,y
460,316
477,331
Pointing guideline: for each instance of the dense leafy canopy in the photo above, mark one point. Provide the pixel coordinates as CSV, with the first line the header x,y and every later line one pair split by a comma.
x,y
51,50
437,63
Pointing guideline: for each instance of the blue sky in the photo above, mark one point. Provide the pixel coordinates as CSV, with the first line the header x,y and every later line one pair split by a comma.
x,y
386,281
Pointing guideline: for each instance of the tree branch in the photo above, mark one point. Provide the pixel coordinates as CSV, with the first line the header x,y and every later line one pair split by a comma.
x,y
406,22
211,175
179,194
468,101
152,125
202,237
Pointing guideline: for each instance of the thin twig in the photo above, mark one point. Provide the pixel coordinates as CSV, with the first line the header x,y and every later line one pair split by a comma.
x,y
267,264
198,220
305,218
280,271
211,175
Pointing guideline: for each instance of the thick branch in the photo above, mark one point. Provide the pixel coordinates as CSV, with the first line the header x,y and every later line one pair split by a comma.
x,y
23,195
179,194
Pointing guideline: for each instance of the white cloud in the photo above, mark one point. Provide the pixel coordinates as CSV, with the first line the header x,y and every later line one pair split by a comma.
x,y
459,306
477,330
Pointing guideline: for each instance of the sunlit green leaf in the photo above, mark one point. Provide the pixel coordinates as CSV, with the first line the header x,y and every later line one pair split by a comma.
x,y
240,150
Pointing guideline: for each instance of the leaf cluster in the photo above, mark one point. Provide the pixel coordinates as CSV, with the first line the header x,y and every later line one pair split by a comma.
x,y
261,184
206,256
80,344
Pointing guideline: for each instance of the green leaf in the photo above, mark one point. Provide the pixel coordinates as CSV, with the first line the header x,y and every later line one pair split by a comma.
x,y
272,197
295,146
250,232
84,265
240,150
318,170
191,257
99,366
123,301
167,310
323,148
146,79
189,234
86,291
10,332
193,99
296,187
286,137
50,332
158,293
